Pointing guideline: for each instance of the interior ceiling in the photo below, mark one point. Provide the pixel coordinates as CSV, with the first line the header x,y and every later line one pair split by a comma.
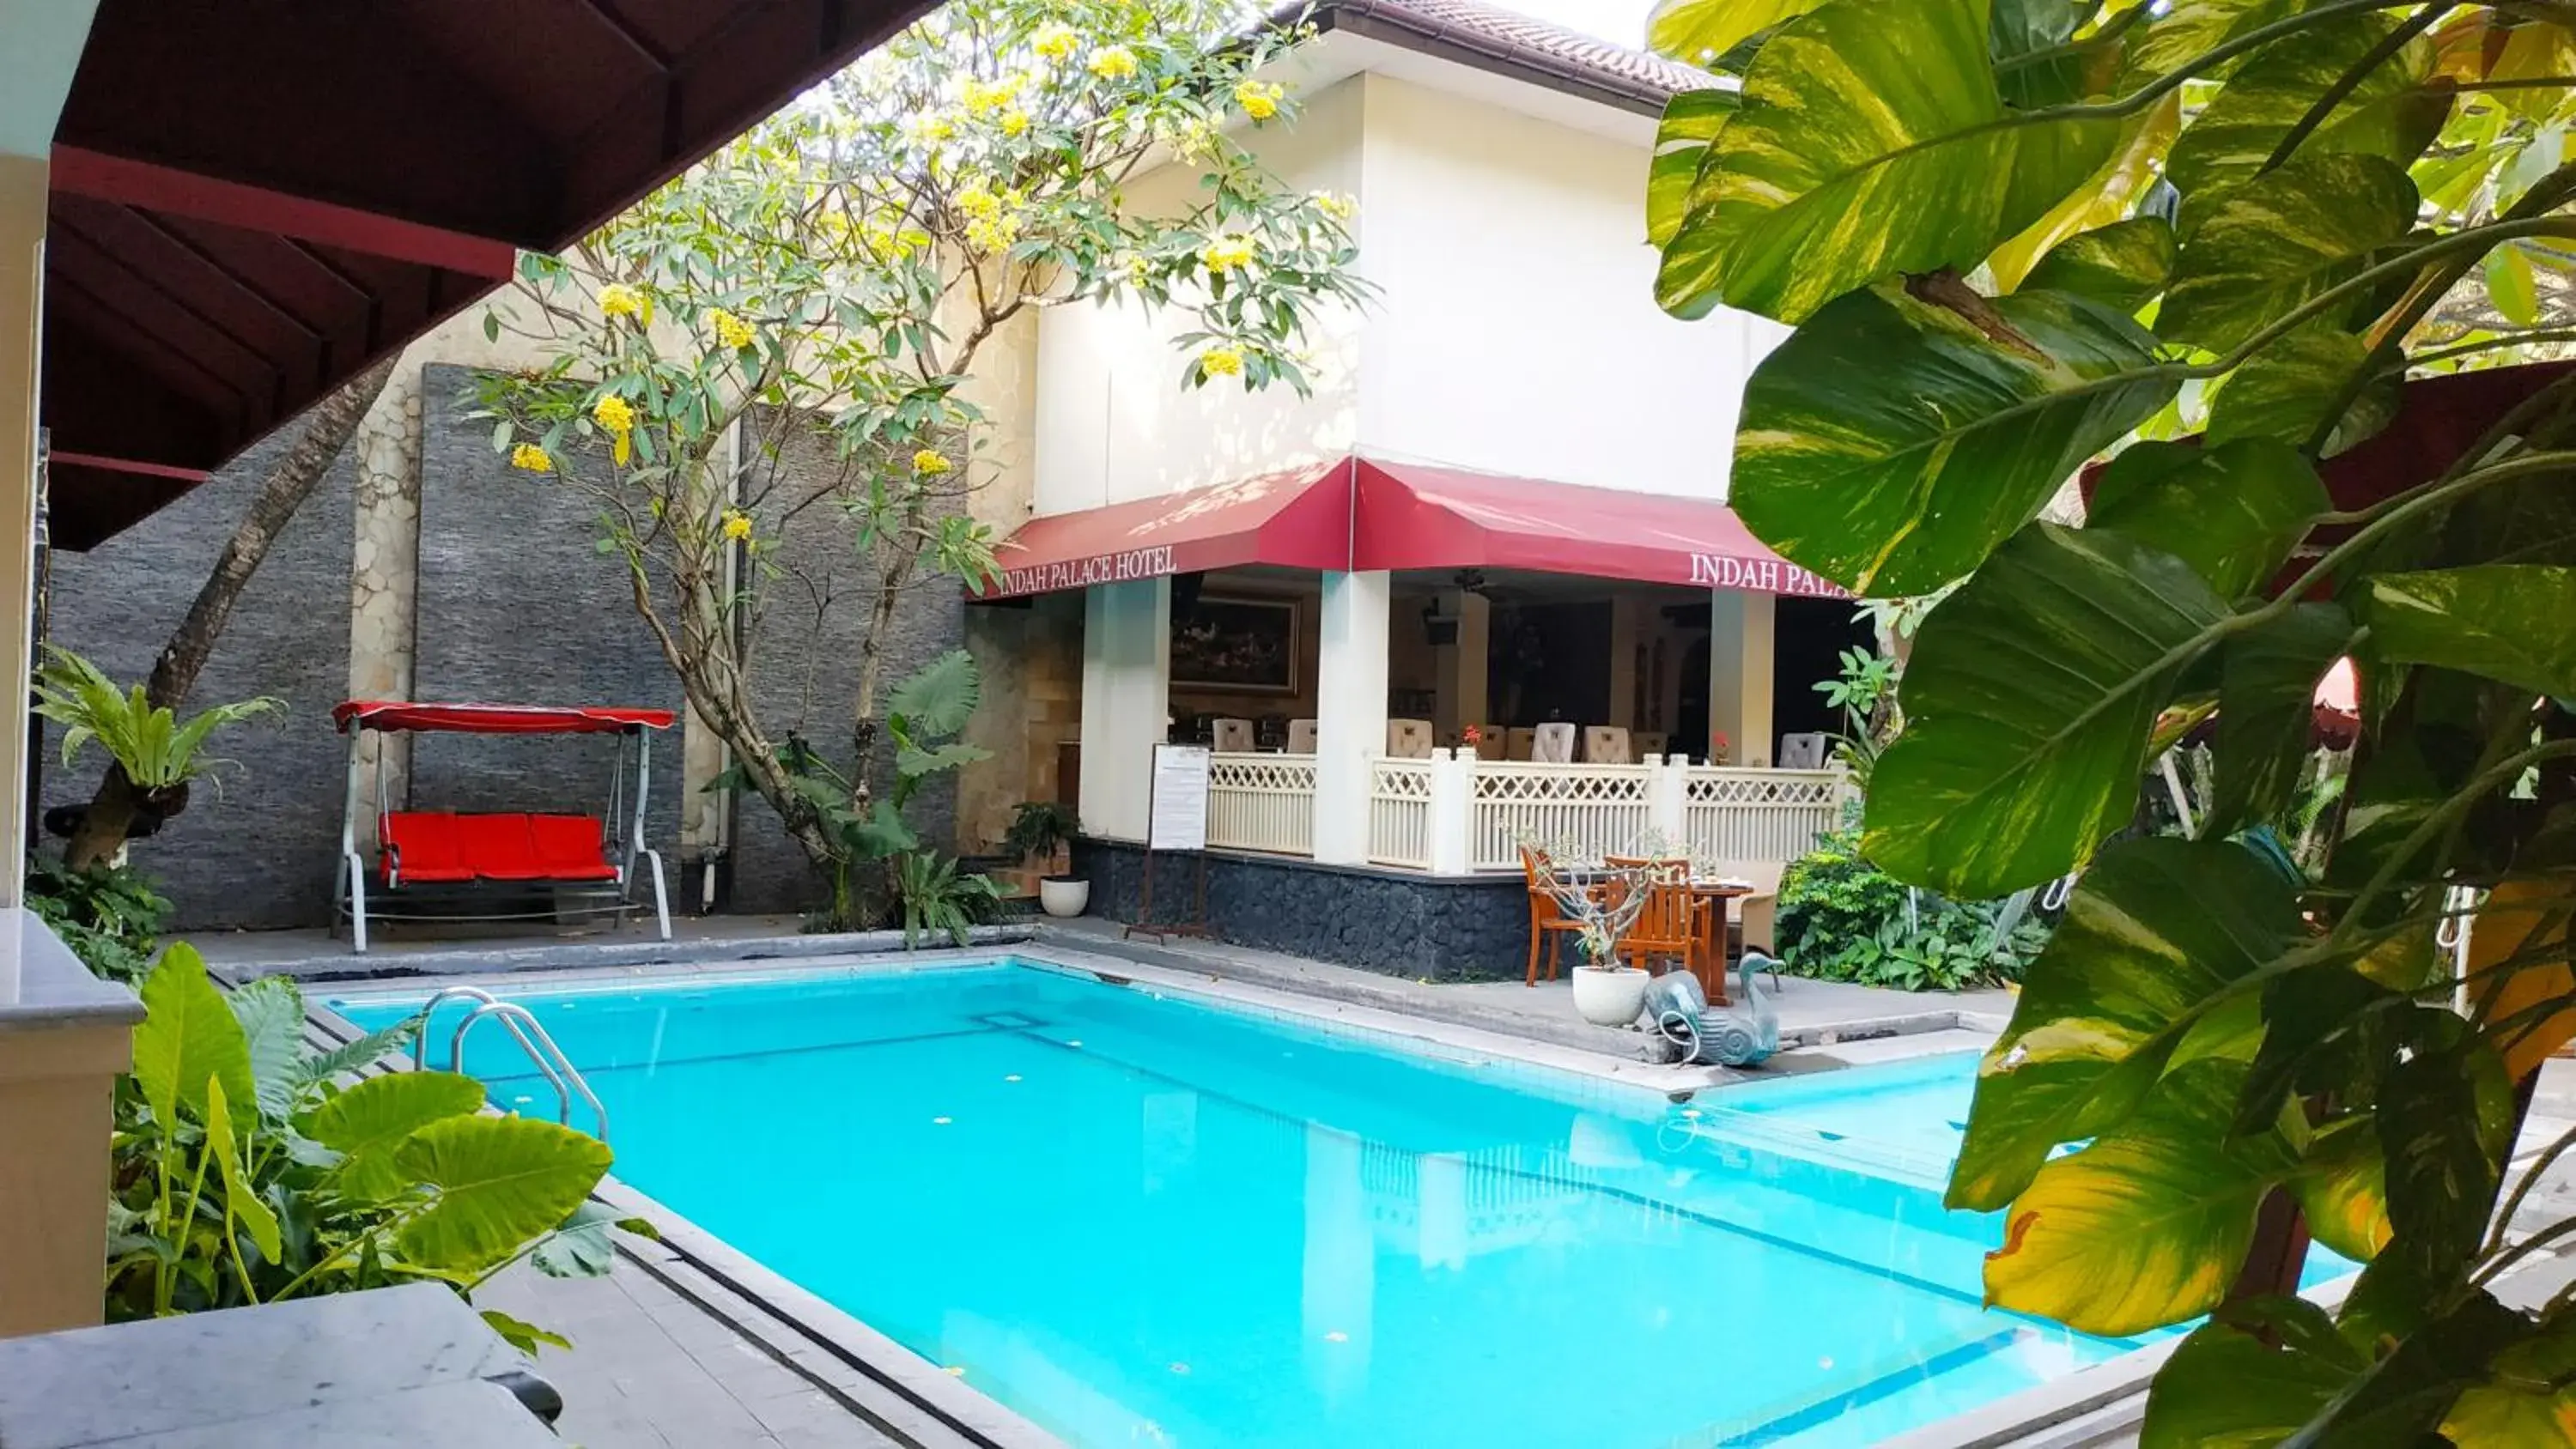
x,y
251,203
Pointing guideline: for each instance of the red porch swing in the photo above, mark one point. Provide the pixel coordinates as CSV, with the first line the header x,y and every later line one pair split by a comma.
x,y
425,854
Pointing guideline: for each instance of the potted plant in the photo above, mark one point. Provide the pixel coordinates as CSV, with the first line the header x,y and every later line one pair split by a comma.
x,y
1606,993
1042,834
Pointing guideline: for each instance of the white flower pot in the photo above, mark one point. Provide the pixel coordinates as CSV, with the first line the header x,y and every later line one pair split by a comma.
x,y
1066,895
1610,995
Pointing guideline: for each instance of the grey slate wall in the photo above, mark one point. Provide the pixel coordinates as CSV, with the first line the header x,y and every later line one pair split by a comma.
x,y
259,851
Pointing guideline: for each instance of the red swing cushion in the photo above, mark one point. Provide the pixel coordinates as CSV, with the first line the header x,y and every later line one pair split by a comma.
x,y
426,847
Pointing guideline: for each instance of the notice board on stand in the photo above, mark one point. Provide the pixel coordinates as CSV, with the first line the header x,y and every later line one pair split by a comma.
x,y
1176,824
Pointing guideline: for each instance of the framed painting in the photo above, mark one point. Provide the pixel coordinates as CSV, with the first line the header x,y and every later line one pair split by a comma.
x,y
1236,645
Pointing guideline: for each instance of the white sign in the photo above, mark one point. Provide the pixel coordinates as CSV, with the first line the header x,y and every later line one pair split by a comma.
x,y
1180,799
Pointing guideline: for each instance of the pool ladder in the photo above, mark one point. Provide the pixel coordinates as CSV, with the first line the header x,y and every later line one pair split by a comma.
x,y
533,1040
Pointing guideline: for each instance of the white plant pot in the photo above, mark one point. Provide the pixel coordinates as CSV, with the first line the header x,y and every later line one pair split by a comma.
x,y
1610,995
1072,897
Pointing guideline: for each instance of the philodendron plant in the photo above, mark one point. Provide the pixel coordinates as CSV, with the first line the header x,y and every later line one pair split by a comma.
x,y
251,1168
2227,241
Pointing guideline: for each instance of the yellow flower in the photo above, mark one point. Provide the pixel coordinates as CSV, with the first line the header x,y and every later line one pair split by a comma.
x,y
985,97
737,524
929,463
928,130
1259,99
612,414
1229,251
532,458
1339,208
978,200
993,233
620,300
1221,362
1056,41
1014,121
731,331
1138,269
1115,63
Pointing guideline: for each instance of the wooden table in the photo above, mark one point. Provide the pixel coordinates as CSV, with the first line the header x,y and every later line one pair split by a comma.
x,y
1721,896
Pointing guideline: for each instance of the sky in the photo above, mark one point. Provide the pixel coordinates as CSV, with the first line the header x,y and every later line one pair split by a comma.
x,y
1623,21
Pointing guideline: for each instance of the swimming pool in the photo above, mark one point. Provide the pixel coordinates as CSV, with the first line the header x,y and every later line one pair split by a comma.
x,y
1136,1218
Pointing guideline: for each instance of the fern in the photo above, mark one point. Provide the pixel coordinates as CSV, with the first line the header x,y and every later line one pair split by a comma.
x,y
150,745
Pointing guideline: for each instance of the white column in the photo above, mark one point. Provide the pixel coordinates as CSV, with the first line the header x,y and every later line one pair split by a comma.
x,y
1126,701
1350,711
1462,665
1668,800
1453,811
1739,675
22,242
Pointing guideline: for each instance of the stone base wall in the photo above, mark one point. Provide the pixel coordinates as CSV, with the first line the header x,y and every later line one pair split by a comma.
x,y
1424,927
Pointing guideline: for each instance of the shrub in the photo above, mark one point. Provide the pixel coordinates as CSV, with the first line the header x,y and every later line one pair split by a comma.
x,y
249,1169
1844,919
107,915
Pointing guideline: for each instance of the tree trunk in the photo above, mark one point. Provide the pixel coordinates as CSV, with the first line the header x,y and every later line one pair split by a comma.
x,y
113,809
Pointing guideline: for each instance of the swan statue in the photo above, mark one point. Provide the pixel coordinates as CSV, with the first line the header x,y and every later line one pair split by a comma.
x,y
1735,1037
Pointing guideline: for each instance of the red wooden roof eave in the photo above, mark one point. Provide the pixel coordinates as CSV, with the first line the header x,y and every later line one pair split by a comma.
x,y
496,719
1294,518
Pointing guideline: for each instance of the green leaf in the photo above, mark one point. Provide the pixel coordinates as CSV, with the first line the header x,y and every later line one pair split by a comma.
x,y
524,1336
2189,29
2276,243
1691,121
2267,711
581,1248
1871,141
361,1053
2028,704
369,1123
241,1197
1697,32
500,1182
271,1013
188,1038
2157,927
2529,1398
1890,444
2120,266
2227,1388
2403,1396
2389,114
2504,621
2342,1187
2232,512
2510,286
2149,1224
2285,390
940,697
951,756
2443,1118
2021,29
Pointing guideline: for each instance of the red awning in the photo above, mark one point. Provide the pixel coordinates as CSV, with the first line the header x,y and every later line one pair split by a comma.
x,y
1411,516
1300,519
497,719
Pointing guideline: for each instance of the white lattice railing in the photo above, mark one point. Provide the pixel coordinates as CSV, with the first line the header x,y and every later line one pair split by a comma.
x,y
1588,810
1262,802
1400,813
1730,814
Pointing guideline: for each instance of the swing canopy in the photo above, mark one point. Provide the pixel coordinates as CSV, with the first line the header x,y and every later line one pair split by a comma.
x,y
497,719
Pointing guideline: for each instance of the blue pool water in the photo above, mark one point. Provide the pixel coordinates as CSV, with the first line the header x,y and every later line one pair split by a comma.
x,y
1140,1220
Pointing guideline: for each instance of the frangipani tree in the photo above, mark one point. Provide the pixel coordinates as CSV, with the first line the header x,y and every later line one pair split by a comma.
x,y
2013,235
827,284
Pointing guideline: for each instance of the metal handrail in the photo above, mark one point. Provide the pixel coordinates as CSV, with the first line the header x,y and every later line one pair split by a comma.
x,y
515,1016
420,1043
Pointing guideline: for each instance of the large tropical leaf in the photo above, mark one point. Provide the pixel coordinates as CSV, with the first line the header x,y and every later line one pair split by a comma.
x,y
2149,1224
1871,141
1697,32
2285,391
2504,621
1691,121
352,1056
2188,29
2529,1398
2107,197
2342,1187
2233,513
2445,1118
1890,444
271,1013
500,1182
2267,710
2389,113
2156,929
188,1038
2277,242
2250,1379
940,697
369,1123
2028,704
2028,42
2120,265
2524,922
242,1202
